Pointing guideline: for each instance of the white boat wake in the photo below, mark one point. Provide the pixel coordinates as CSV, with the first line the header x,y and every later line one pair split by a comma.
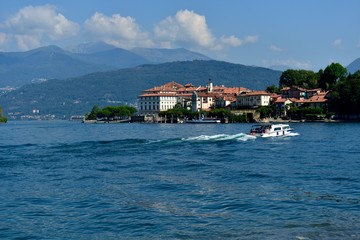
x,y
228,137
293,134
221,137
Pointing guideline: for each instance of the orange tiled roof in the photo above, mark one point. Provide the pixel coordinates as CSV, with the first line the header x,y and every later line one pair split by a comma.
x,y
283,100
318,98
255,93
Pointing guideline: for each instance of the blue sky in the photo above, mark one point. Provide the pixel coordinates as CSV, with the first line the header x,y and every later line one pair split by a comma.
x,y
306,34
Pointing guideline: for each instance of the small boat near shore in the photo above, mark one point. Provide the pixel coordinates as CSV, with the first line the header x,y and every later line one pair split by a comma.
x,y
270,130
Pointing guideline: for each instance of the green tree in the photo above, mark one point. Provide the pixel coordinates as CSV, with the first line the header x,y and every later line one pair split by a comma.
x,y
93,114
266,111
332,74
111,112
2,118
273,89
219,113
302,78
346,96
176,111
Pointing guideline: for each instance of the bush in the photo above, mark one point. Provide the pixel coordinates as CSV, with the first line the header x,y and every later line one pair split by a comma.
x,y
3,119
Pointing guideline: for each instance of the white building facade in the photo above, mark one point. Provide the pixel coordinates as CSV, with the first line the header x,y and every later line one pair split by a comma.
x,y
253,99
153,104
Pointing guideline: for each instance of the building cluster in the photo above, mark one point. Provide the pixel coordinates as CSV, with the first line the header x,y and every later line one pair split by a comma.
x,y
204,98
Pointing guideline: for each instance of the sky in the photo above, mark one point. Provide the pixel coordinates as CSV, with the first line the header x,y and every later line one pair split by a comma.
x,y
306,34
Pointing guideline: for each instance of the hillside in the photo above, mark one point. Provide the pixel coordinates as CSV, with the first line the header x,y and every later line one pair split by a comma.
x,y
354,66
156,55
52,62
78,95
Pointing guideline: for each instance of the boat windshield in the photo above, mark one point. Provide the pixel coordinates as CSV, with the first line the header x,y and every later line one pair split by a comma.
x,y
260,128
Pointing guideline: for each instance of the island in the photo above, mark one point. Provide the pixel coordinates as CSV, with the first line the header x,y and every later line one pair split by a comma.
x,y
110,114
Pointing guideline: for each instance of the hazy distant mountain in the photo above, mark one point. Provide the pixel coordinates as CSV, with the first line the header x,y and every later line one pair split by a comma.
x,y
90,47
156,55
20,68
115,58
280,68
354,66
78,95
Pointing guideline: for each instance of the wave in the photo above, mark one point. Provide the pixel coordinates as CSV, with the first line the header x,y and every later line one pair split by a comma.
x,y
221,137
114,144
293,134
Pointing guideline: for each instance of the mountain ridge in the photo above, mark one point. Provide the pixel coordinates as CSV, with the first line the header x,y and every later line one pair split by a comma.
x,y
52,62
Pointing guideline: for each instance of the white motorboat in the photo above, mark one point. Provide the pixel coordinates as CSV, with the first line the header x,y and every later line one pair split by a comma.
x,y
270,130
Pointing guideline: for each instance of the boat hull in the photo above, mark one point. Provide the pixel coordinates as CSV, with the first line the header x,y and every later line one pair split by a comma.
x,y
272,134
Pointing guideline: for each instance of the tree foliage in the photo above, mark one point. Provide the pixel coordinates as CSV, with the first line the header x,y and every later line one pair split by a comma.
x,y
177,111
302,78
219,113
111,112
2,118
332,74
266,111
346,96
273,89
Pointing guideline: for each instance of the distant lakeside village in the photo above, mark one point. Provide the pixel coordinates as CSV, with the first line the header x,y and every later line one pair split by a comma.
x,y
227,104
158,104
332,94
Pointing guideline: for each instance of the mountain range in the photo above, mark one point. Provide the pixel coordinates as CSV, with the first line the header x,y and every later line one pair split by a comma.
x,y
78,95
52,62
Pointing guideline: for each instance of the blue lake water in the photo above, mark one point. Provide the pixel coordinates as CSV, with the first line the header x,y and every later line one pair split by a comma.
x,y
66,180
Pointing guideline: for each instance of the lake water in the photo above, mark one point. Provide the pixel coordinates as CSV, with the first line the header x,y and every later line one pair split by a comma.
x,y
66,180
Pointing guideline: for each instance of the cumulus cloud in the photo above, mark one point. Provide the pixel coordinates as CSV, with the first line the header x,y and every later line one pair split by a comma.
x,y
190,29
275,48
32,24
117,30
337,43
185,27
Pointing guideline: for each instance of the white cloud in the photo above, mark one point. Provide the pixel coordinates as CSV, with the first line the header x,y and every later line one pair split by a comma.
x,y
290,63
31,25
117,30
26,42
337,43
275,48
3,38
186,27
190,29
235,42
